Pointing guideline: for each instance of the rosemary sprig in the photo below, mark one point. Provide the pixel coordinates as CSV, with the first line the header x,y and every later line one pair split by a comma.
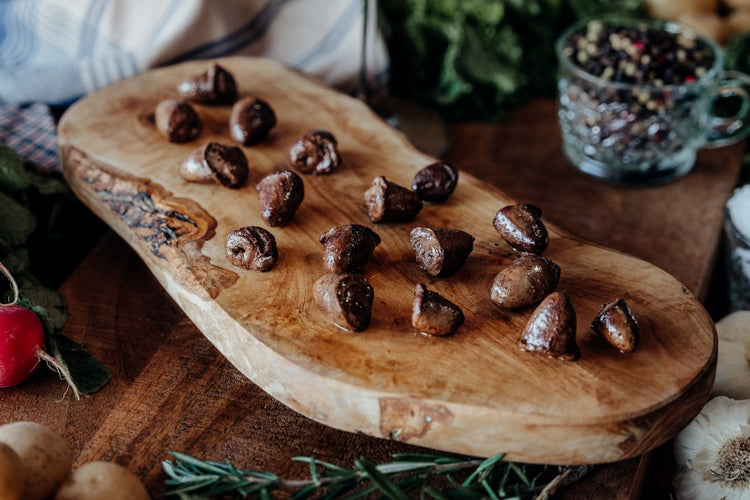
x,y
408,476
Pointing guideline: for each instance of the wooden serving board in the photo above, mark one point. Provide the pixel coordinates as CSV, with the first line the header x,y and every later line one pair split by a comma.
x,y
474,392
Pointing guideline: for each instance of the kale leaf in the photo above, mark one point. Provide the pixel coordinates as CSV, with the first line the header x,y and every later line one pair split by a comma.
x,y
475,59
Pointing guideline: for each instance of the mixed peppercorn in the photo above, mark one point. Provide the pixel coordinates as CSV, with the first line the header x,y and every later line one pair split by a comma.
x,y
640,54
645,113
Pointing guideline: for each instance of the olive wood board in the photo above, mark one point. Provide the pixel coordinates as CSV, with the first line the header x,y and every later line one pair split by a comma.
x,y
474,392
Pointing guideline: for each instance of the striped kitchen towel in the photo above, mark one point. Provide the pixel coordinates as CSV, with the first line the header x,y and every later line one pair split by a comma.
x,y
55,51
29,130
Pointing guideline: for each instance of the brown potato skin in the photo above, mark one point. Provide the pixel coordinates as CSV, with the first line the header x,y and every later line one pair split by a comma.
x,y
216,163
251,120
347,248
435,182
177,121
45,455
315,153
440,251
389,202
253,248
12,474
279,195
551,329
616,324
525,281
433,314
522,228
346,299
195,169
102,479
215,85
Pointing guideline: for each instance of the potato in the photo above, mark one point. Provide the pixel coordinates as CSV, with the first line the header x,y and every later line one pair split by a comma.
x,y
44,454
12,474
102,480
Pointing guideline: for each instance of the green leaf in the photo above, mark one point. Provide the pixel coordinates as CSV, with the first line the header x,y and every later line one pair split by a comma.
x,y
13,175
484,468
362,492
520,473
483,12
87,372
314,472
590,8
16,260
304,492
382,481
190,477
401,467
188,460
489,491
474,59
339,490
482,65
18,221
504,480
431,492
419,457
325,464
49,185
48,304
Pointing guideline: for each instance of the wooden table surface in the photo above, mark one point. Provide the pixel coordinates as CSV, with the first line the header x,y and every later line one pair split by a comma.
x,y
172,390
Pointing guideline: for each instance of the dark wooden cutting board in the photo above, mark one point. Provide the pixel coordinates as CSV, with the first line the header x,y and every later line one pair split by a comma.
x,y
474,392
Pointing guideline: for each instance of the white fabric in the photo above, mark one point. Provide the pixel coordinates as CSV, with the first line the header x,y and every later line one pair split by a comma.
x,y
57,50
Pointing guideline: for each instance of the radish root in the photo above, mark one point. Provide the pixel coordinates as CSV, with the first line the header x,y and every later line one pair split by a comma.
x,y
61,370
52,363
13,285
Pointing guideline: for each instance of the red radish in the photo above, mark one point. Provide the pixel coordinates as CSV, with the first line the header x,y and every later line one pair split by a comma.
x,y
21,340
22,343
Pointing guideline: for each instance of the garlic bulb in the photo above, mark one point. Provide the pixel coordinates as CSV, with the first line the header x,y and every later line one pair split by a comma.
x,y
733,364
712,454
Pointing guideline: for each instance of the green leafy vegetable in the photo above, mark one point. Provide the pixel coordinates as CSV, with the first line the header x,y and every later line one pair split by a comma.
x,y
589,8
88,373
13,177
48,304
18,221
474,59
737,52
31,207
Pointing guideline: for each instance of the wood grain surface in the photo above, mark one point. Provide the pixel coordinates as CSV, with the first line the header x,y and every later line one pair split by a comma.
x,y
170,389
676,226
474,392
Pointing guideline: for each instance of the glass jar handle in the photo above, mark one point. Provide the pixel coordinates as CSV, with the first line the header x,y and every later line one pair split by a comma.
x,y
725,130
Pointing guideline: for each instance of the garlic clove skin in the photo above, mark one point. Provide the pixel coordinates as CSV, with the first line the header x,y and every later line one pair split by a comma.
x,y
733,363
734,327
712,454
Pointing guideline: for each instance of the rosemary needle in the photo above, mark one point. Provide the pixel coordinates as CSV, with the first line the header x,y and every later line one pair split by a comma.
x,y
408,476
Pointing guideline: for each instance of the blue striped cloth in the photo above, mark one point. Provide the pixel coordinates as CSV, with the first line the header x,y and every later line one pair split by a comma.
x,y
29,130
55,51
